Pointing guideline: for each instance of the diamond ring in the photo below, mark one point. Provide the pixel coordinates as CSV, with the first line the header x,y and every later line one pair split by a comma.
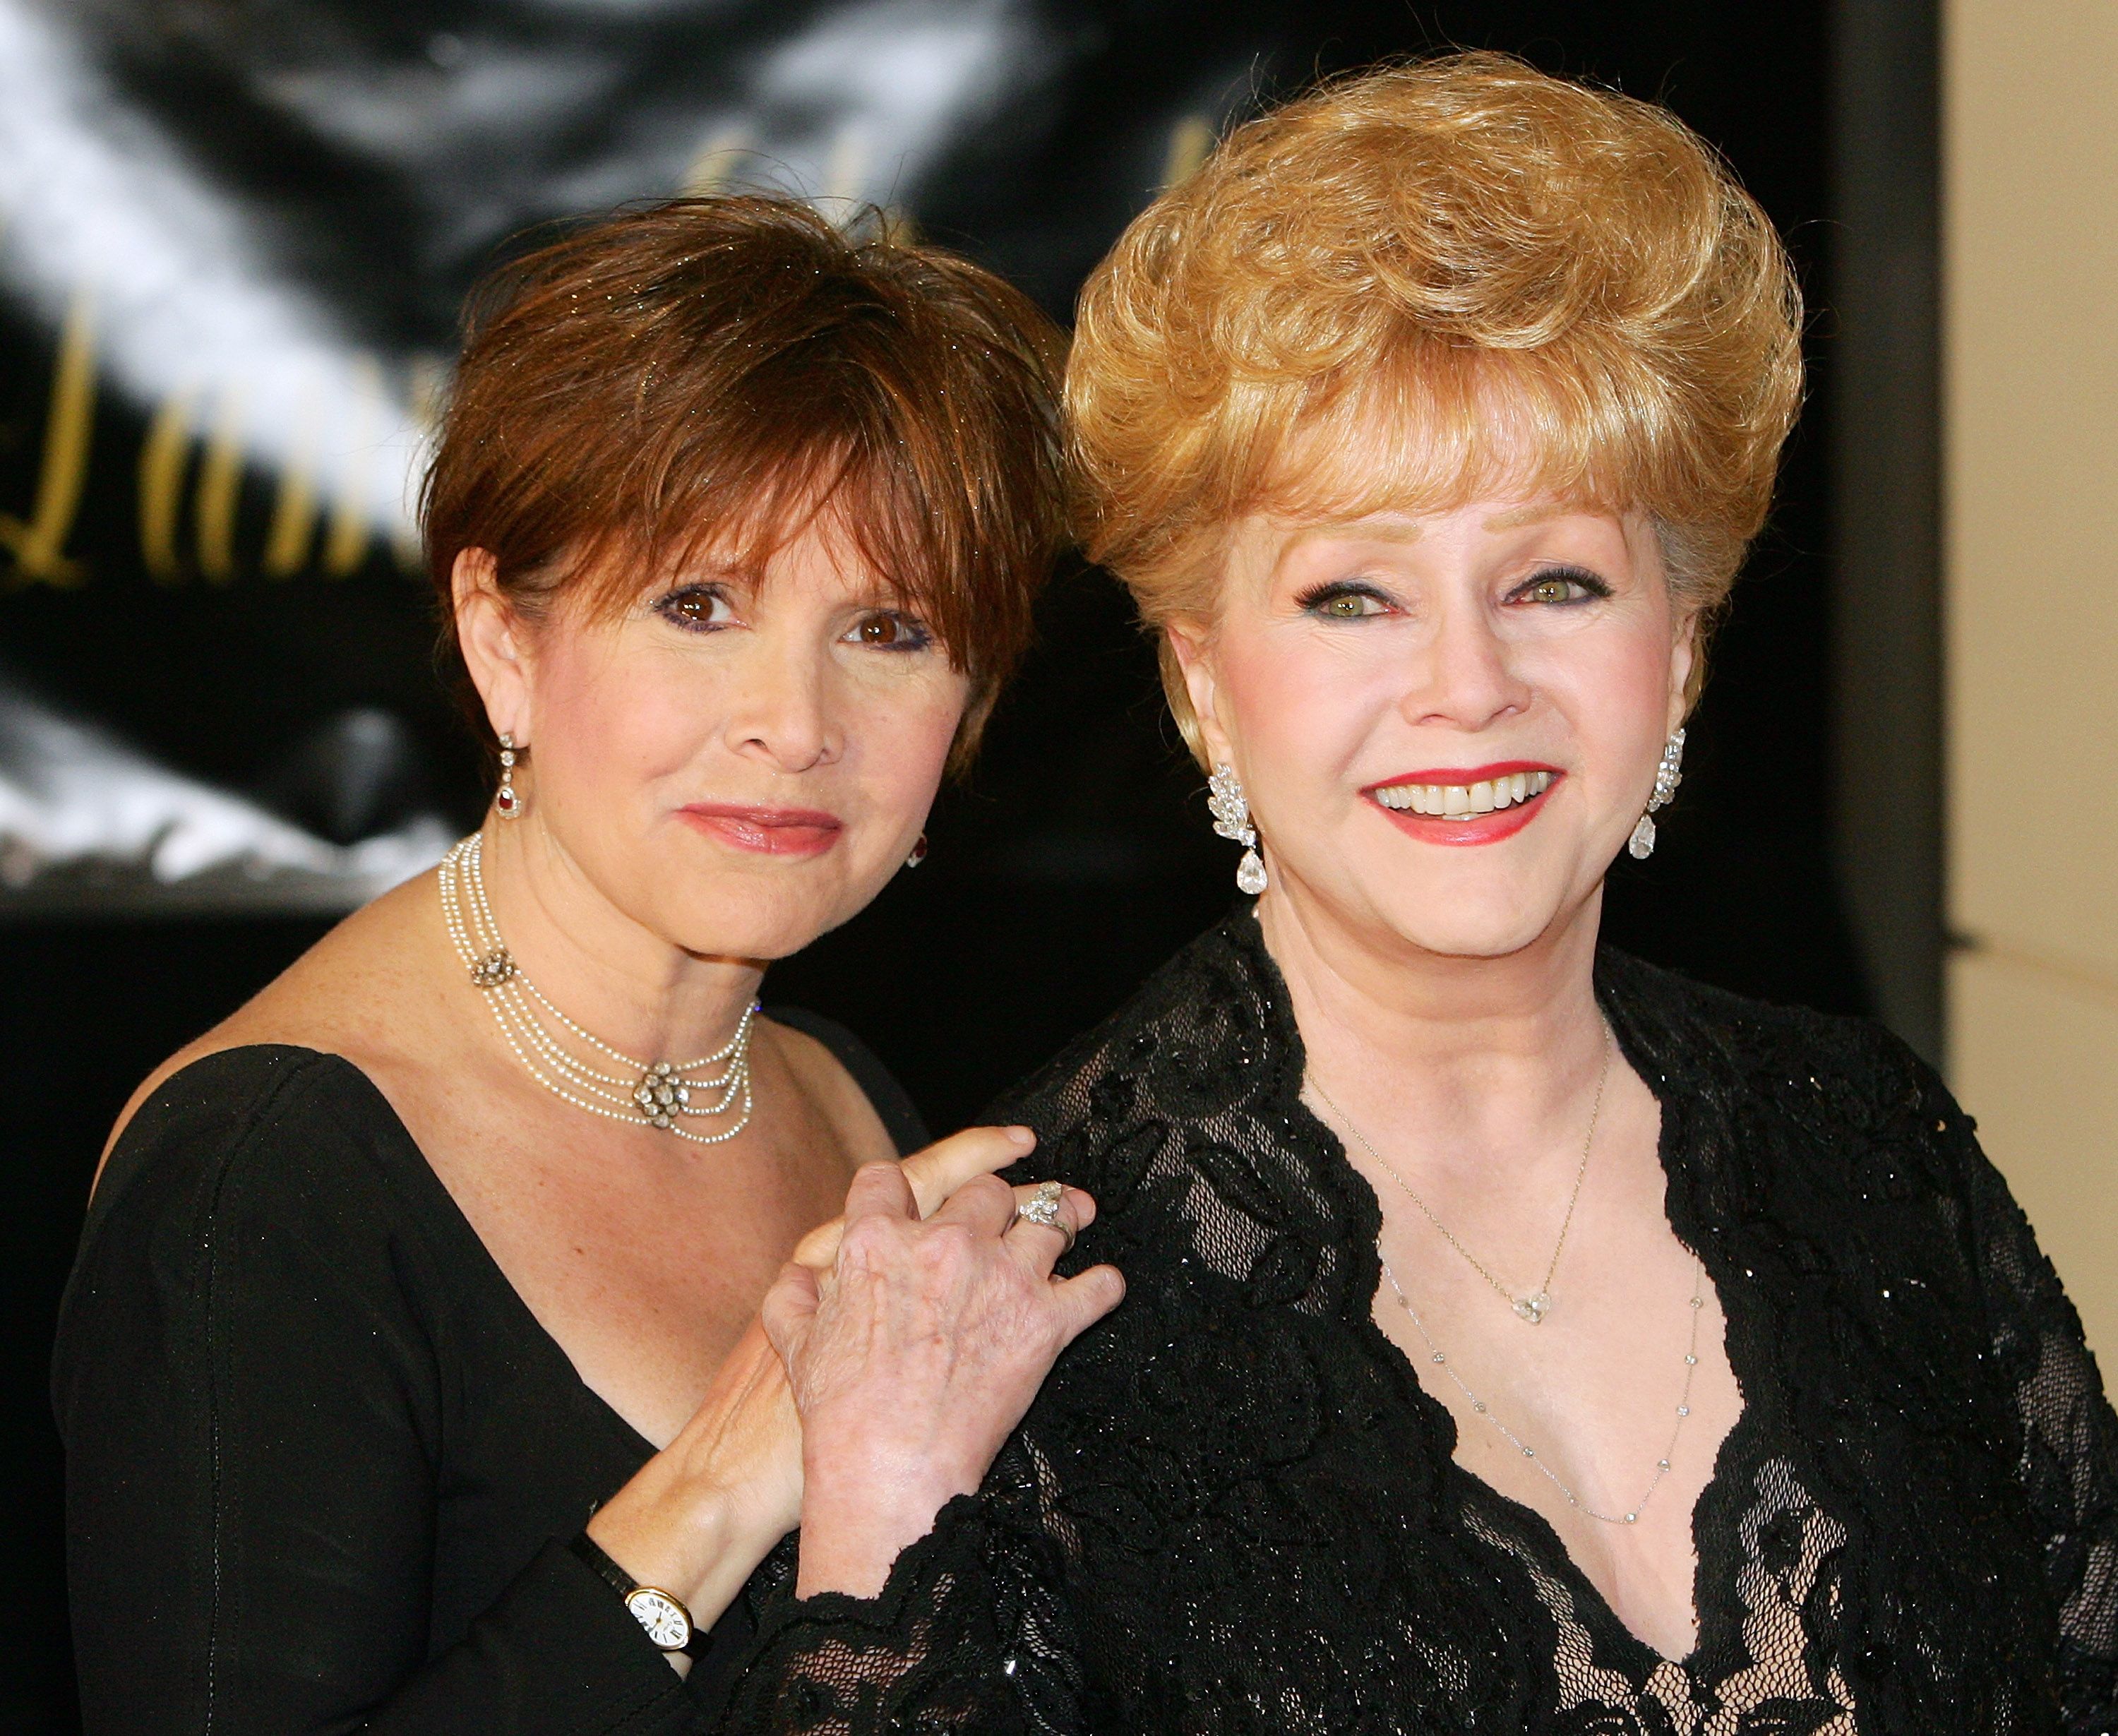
x,y
1042,1208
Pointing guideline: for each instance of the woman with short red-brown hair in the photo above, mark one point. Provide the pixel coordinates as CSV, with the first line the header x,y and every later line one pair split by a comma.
x,y
439,1246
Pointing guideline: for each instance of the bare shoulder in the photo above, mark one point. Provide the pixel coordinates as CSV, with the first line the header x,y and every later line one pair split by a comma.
x,y
831,1093
366,991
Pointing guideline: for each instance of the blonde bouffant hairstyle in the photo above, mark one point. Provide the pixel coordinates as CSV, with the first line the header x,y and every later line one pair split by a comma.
x,y
1420,285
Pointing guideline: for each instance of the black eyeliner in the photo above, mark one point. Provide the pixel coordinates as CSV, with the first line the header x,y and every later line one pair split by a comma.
x,y
1588,582
1339,588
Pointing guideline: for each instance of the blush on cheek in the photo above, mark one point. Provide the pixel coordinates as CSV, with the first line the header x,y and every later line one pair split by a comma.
x,y
1302,713
906,754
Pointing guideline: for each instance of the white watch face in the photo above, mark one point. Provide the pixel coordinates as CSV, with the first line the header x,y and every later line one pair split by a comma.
x,y
663,1616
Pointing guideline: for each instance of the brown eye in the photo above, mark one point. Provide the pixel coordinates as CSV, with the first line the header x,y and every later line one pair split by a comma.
x,y
888,630
696,609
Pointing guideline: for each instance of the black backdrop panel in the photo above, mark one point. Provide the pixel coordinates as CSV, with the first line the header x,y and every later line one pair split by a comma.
x,y
219,638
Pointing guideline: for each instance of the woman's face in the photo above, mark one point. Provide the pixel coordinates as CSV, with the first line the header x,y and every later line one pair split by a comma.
x,y
737,762
1362,672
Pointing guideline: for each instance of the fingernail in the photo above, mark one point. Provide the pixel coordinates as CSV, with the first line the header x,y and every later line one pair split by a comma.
x,y
1021,1137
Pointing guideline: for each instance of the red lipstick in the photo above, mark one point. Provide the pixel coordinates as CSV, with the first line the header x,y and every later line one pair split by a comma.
x,y
765,832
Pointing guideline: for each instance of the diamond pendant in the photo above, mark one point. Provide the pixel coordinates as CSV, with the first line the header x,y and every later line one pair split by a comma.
x,y
496,967
661,1096
1641,843
1533,1307
1249,873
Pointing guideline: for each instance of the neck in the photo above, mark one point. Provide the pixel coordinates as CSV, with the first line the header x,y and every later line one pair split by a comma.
x,y
604,969
1447,1059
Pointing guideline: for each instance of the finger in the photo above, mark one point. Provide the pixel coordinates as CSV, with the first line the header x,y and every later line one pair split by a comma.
x,y
985,1203
1083,1300
945,1166
933,1174
880,1189
788,1306
1071,1199
1040,1245
820,1249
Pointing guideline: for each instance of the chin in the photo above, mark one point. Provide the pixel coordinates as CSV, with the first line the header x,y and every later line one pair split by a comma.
x,y
1456,921
1470,940
736,916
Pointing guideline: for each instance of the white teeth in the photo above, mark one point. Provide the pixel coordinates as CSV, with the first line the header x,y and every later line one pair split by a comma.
x,y
1465,801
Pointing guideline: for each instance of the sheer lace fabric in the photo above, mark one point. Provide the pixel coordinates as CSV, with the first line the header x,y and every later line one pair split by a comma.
x,y
1233,1509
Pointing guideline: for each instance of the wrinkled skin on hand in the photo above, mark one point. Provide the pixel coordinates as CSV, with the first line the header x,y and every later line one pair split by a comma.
x,y
702,1513
914,1355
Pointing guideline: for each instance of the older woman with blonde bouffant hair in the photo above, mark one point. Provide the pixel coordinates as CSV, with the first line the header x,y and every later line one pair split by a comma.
x,y
1516,1337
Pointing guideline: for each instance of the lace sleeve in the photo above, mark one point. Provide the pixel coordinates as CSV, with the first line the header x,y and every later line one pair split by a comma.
x,y
2067,1439
971,1634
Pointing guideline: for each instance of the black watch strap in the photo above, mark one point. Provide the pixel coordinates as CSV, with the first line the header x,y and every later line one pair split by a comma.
x,y
592,1554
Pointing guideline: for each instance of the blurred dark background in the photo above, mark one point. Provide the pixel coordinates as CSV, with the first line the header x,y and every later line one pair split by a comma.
x,y
1078,854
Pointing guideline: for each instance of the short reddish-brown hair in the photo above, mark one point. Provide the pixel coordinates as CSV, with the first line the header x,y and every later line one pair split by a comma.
x,y
706,375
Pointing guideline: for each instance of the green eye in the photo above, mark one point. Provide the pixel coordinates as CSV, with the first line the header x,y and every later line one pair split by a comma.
x,y
1563,585
1344,602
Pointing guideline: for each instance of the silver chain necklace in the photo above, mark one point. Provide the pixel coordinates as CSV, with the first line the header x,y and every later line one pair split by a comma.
x,y
649,1093
1631,1515
1532,1305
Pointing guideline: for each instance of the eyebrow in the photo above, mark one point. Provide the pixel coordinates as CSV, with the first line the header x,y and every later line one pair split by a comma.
x,y
1380,529
1521,515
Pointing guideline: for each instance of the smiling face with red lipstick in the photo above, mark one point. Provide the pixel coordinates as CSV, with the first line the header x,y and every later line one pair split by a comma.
x,y
1446,723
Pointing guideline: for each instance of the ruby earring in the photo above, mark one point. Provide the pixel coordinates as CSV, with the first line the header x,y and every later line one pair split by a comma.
x,y
505,800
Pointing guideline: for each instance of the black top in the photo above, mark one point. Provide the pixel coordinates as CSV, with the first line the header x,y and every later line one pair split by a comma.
x,y
322,1460
1232,1508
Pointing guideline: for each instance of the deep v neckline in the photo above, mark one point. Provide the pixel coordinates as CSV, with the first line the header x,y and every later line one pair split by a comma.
x,y
446,1216
1591,1605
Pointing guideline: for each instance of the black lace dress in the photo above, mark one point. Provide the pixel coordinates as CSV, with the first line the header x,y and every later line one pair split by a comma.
x,y
1233,1509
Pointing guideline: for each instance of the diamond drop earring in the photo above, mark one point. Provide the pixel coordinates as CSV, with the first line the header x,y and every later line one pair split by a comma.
x,y
1231,819
1668,776
504,798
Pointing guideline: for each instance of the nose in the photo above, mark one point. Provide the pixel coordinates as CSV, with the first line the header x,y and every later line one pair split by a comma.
x,y
1469,679
781,709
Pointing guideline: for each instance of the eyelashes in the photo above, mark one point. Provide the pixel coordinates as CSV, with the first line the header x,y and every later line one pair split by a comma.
x,y
707,608
693,607
891,630
1343,599
1561,586
1580,578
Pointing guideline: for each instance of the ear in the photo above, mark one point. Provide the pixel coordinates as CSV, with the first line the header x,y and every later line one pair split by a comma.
x,y
1683,653
1192,646
494,642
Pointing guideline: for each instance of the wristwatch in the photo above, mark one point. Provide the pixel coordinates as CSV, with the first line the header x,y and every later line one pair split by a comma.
x,y
667,1621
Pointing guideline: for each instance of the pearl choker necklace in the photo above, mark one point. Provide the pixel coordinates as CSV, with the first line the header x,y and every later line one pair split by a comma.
x,y
649,1094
